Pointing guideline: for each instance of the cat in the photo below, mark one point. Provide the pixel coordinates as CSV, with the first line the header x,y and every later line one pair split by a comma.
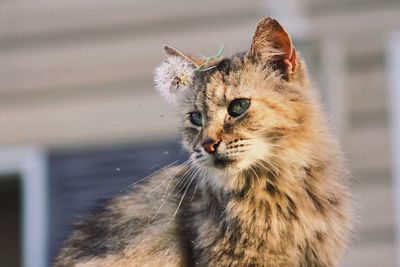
x,y
265,184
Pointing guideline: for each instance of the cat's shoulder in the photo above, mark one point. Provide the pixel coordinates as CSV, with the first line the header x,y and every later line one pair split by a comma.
x,y
143,209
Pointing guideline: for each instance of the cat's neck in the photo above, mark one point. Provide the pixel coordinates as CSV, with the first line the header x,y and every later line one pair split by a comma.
x,y
248,215
260,192
253,181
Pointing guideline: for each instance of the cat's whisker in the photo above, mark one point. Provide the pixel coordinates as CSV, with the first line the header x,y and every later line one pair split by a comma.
x,y
182,180
195,188
279,169
260,163
200,161
183,196
173,176
202,173
192,173
277,165
237,150
272,164
280,158
236,141
170,177
154,173
170,193
235,153
206,171
251,168
237,146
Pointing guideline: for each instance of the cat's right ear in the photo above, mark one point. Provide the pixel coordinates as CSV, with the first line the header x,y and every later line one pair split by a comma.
x,y
272,43
175,75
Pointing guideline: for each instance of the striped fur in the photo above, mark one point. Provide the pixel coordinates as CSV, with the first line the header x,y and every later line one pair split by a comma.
x,y
277,196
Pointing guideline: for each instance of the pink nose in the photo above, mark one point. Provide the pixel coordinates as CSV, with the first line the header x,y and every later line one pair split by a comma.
x,y
210,145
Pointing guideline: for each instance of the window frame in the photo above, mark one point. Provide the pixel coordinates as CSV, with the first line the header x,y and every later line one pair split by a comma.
x,y
30,164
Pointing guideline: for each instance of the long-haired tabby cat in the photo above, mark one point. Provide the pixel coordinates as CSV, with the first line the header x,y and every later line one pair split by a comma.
x,y
264,186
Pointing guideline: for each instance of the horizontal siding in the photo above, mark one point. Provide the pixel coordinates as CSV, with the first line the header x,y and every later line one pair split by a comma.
x,y
88,80
323,7
27,18
80,72
130,116
368,149
63,67
367,146
373,212
370,255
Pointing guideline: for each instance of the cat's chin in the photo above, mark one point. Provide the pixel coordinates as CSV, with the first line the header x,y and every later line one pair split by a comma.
x,y
222,163
224,166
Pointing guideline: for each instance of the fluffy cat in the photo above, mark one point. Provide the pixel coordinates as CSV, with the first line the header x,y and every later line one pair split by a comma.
x,y
265,184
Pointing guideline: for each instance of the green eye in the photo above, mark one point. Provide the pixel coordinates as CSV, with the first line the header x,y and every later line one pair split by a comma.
x,y
238,106
196,118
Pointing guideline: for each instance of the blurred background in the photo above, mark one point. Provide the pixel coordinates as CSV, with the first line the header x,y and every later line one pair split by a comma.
x,y
80,120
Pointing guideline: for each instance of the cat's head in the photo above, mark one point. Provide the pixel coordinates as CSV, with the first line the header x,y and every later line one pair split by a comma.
x,y
239,113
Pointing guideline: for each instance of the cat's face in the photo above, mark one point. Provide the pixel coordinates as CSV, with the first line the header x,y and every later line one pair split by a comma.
x,y
237,114
236,119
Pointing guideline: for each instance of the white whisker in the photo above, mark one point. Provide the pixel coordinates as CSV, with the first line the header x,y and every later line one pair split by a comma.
x,y
182,177
154,173
183,196
170,177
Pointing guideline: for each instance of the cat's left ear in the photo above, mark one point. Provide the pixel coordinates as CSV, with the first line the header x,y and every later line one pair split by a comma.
x,y
272,43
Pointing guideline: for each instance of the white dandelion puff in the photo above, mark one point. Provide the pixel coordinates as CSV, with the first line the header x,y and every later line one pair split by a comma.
x,y
172,77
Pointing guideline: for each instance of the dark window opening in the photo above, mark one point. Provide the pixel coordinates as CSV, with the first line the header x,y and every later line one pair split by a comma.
x,y
80,179
10,222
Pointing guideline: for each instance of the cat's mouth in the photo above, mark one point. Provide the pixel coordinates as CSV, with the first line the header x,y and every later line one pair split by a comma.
x,y
223,162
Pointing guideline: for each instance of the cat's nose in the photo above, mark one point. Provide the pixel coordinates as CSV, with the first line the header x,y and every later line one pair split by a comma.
x,y
210,145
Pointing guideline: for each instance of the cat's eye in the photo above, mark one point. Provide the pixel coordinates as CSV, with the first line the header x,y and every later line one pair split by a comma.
x,y
196,118
238,106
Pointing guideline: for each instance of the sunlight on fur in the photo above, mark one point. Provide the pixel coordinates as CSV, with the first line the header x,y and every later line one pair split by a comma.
x,y
264,184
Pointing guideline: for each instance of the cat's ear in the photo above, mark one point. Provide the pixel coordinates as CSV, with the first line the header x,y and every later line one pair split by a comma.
x,y
175,75
172,51
272,43
200,62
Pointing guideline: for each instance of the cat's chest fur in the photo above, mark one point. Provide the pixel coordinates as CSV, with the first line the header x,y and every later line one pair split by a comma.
x,y
263,227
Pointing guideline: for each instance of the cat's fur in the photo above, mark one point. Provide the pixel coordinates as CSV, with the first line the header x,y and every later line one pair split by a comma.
x,y
274,195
